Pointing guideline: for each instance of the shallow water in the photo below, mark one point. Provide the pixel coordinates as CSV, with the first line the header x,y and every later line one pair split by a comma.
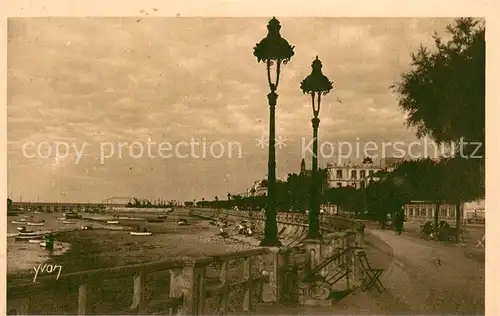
x,y
168,240
22,256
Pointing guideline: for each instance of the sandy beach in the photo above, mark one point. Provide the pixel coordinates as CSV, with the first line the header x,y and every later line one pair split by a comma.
x,y
101,248
104,248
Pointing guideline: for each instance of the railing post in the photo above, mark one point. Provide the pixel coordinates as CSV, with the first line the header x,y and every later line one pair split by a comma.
x,y
313,255
247,271
353,242
360,234
138,298
224,295
189,282
346,260
272,291
82,299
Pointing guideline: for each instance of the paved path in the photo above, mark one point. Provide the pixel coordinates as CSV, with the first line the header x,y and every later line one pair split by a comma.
x,y
431,278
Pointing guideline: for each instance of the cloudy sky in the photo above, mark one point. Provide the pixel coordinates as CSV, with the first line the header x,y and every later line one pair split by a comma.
x,y
98,82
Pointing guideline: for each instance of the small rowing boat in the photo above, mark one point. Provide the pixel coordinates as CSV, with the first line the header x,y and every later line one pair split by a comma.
x,y
29,236
20,221
69,222
37,223
72,215
182,222
43,244
141,233
35,241
113,222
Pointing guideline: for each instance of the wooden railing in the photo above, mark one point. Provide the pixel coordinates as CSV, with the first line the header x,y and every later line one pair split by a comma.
x,y
191,282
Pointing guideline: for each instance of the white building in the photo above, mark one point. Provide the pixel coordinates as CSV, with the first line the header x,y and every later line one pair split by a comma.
x,y
259,188
475,211
349,174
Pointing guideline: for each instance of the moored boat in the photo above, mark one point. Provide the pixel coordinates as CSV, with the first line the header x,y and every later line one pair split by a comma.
x,y
141,233
36,223
113,222
182,222
35,241
19,237
20,221
72,215
69,222
29,236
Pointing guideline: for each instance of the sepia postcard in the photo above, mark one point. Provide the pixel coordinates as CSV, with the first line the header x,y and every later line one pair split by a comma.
x,y
250,157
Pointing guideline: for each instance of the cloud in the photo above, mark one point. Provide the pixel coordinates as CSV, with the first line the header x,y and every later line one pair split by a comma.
x,y
115,80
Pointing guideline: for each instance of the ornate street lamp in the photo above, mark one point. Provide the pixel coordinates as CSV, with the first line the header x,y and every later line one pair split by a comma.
x,y
316,84
273,50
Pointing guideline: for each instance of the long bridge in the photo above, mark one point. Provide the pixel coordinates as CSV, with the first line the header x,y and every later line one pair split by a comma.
x,y
115,201
57,206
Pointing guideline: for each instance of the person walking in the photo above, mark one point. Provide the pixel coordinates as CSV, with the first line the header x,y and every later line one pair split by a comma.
x,y
399,222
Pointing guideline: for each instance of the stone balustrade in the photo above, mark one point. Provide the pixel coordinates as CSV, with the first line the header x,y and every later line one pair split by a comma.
x,y
337,248
255,273
328,223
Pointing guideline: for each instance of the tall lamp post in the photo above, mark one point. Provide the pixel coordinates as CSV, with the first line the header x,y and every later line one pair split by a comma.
x,y
273,50
316,84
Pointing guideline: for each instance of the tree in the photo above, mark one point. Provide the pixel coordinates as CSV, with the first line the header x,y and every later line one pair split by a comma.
x,y
443,96
299,191
444,93
346,198
283,198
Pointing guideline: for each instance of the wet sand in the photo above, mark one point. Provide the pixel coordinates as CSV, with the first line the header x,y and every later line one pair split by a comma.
x,y
102,248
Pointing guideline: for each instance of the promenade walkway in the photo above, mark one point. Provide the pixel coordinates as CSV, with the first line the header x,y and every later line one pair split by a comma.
x,y
422,277
434,278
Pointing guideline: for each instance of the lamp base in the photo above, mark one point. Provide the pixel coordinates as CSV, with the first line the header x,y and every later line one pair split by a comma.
x,y
267,242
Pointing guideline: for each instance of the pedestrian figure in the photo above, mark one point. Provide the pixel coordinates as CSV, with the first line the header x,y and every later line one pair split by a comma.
x,y
399,222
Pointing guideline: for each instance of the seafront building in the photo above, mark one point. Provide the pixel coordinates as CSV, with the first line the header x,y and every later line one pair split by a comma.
x,y
349,174
258,188
422,211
